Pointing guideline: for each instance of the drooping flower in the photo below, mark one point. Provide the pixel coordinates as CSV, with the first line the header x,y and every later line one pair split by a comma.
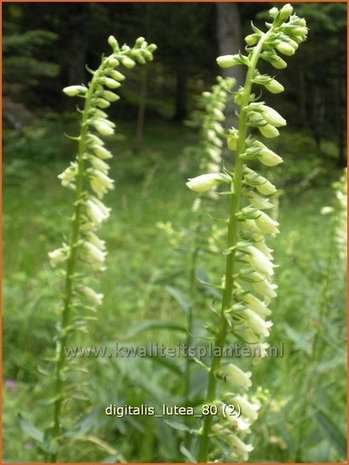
x,y
58,256
205,182
248,409
69,174
227,61
236,376
240,450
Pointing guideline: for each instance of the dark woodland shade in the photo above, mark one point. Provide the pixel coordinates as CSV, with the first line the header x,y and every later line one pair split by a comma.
x,y
37,58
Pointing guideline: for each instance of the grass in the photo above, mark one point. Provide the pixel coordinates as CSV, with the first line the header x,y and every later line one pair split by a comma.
x,y
303,418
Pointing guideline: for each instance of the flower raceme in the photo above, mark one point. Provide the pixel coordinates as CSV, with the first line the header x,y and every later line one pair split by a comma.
x,y
247,286
88,177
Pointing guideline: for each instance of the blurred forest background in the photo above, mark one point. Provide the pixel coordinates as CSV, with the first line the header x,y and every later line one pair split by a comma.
x,y
45,48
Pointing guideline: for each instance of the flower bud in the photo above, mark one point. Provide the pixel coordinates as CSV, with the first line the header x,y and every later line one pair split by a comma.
x,y
110,96
255,118
99,164
103,128
93,139
268,131
147,55
227,61
112,62
251,39
116,75
278,63
273,12
138,56
232,141
269,158
73,91
293,43
101,152
113,43
298,39
140,41
100,113
152,48
238,98
102,103
274,86
266,188
285,48
204,182
127,62
300,31
285,12
111,83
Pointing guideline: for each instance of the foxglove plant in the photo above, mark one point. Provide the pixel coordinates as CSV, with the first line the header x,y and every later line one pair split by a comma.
x,y
249,268
84,253
209,117
341,222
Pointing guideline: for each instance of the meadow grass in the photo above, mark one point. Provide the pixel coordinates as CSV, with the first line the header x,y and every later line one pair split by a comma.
x,y
150,188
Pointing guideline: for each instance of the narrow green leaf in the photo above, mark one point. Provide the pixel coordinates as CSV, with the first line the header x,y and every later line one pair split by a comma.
x,y
187,454
332,430
179,297
29,429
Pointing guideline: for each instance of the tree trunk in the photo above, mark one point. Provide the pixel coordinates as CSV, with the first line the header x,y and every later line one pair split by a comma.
x,y
181,95
141,110
341,122
302,96
318,116
229,42
76,64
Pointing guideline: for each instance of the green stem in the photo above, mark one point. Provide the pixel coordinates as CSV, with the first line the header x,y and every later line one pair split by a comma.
x,y
71,264
190,317
231,242
311,380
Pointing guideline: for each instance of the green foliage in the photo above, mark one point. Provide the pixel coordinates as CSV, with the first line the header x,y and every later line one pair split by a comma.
x,y
37,143
134,240
150,245
20,49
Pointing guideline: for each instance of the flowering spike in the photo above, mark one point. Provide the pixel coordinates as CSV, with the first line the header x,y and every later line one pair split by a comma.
x,y
249,266
87,176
